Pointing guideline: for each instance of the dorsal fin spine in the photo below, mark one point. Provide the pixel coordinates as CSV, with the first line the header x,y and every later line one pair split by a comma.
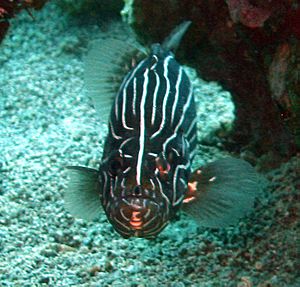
x,y
172,42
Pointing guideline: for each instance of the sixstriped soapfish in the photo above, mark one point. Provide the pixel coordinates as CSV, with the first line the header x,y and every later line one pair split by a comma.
x,y
145,174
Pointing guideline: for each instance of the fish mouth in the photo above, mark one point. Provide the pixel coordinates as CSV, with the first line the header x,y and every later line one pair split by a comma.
x,y
137,216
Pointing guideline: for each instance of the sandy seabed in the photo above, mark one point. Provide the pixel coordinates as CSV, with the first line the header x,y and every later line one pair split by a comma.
x,y
47,122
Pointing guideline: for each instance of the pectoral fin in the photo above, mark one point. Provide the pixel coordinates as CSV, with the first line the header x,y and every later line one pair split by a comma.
x,y
82,196
222,192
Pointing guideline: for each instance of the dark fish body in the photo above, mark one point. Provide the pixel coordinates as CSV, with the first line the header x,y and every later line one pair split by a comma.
x,y
153,117
145,172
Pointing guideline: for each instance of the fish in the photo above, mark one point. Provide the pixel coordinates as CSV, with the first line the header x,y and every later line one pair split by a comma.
x,y
145,178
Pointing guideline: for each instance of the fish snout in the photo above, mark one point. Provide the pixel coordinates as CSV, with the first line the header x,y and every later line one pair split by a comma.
x,y
138,191
138,216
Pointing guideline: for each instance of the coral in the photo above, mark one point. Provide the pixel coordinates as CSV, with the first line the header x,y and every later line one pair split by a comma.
x,y
249,15
244,45
9,8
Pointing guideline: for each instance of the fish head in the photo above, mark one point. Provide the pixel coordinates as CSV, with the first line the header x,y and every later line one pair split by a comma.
x,y
141,202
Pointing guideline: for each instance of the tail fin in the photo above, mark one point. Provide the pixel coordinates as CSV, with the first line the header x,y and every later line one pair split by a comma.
x,y
172,42
225,192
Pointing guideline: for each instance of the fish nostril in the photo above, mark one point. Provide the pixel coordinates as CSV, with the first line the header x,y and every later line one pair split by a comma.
x,y
137,191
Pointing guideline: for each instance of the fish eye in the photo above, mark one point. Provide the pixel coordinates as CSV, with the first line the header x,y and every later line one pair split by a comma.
x,y
173,156
115,166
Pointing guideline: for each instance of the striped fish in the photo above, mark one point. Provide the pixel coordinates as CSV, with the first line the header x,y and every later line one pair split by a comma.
x,y
145,174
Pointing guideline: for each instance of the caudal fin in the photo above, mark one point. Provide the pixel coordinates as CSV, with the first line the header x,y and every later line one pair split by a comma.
x,y
224,191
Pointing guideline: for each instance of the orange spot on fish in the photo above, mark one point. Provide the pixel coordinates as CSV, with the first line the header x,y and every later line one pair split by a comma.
x,y
192,186
191,194
189,199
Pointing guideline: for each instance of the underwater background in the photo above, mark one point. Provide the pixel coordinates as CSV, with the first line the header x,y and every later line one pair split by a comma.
x,y
47,122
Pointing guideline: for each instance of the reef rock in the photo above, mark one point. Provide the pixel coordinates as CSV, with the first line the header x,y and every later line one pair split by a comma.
x,y
251,48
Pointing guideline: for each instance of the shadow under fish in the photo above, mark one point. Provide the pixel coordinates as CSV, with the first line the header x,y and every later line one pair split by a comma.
x,y
145,174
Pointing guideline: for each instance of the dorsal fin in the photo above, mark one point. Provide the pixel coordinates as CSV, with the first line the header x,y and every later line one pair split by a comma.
x,y
106,64
172,42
